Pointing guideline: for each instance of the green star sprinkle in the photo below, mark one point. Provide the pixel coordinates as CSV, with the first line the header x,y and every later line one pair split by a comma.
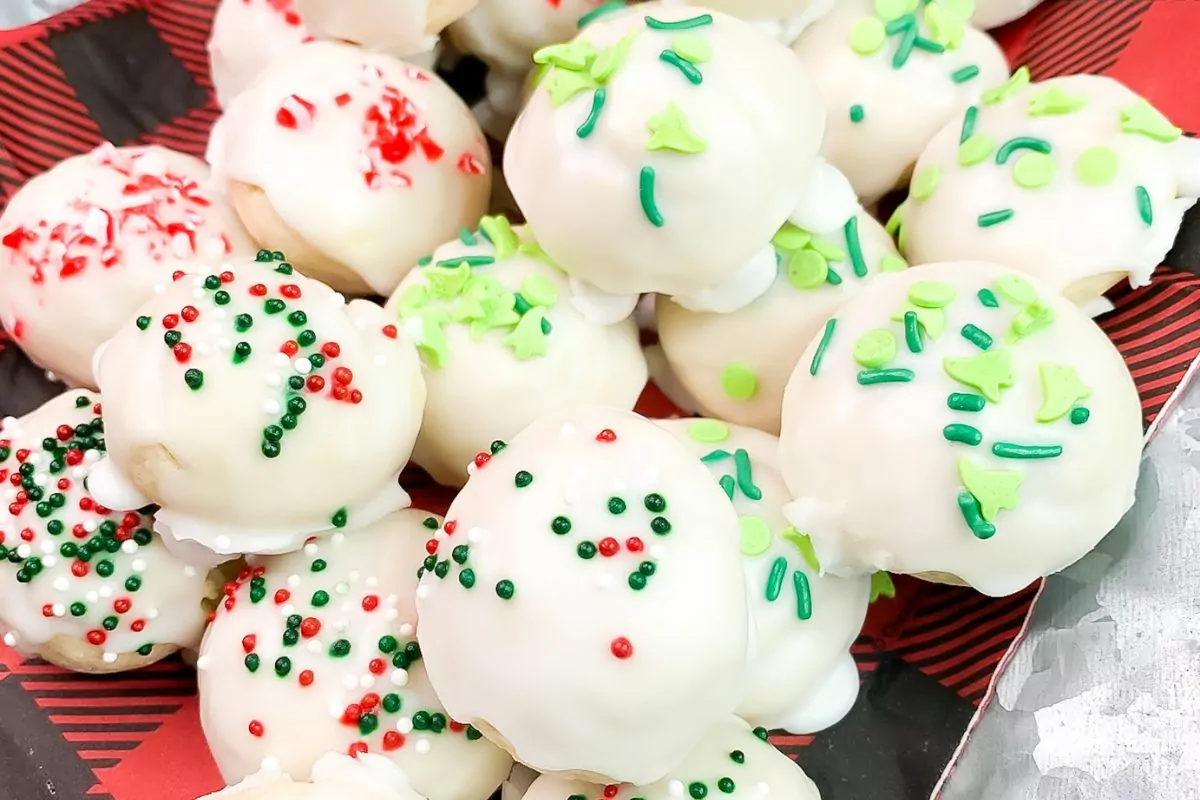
x,y
538,290
431,342
1097,166
976,149
446,283
1034,171
931,320
499,231
1062,388
563,84
412,299
467,308
791,237
931,294
995,489
692,47
527,339
739,381
867,36
669,130
612,58
1053,101
946,27
882,586
1017,82
1143,118
499,312
986,372
807,269
875,348
925,182
572,56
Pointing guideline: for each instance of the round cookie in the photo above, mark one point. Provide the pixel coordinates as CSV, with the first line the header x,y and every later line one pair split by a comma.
x,y
313,652
81,586
334,777
247,35
1075,180
400,27
676,158
731,761
502,344
803,678
964,415
355,163
109,225
735,365
573,570
994,13
256,408
891,74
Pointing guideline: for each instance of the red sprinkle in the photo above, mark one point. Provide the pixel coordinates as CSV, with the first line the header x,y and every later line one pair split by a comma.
x,y
634,545
393,740
189,313
357,749
352,714
290,291
306,678
170,321
177,274
621,647
227,277
79,569
450,527
606,435
258,290
370,602
611,790
182,351
342,375
47,610
369,701
63,432
431,546
340,392
470,165
75,458
377,666
282,596
355,396
249,641
26,535
315,383
457,727
481,458
138,625
256,728
390,331
121,605
289,348
130,519
310,627
96,638
331,349
609,546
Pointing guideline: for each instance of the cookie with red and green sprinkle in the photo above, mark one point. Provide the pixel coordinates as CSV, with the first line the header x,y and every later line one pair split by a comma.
x,y
81,585
1075,180
576,565
83,244
960,422
314,652
257,407
891,74
803,679
732,760
502,343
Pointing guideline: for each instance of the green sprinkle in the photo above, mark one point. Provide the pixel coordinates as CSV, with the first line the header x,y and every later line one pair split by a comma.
x,y
194,379
708,431
867,36
803,595
1017,82
646,195
685,67
252,662
522,479
697,790
1062,388
600,11
1034,317
1080,416
803,543
822,346
726,785
775,579
1026,451
739,382
908,41
892,263
995,489
855,247
1144,119
875,348
670,130
539,290
458,261
881,586
339,518
807,269
975,149
925,182
585,550
1144,206
745,477
976,336
589,125
737,756
969,507
572,56
1034,171
928,45
856,113
931,294
1021,143
968,126
964,74
499,231
612,58
755,535
912,332
964,434
995,217
1097,166
560,525
505,590
679,25
870,377
692,47
987,372
143,323
1015,289
1053,101
467,578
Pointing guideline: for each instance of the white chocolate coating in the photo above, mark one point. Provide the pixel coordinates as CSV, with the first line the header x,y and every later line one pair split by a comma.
x,y
1080,226
899,108
761,772
994,13
334,777
352,680
783,19
626,607
374,162
400,27
903,476
490,370
736,365
804,622
252,451
678,185
80,572
247,35
85,243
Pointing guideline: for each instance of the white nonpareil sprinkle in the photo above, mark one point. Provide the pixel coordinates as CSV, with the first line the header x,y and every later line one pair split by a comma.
x,y
106,592
391,614
423,746
675,788
110,658
404,725
354,575
310,549
399,677
338,538
287,610
372,582
23,550
152,614
762,788
10,639
367,681
47,547
189,571
302,365
202,663
271,406
61,584
350,682
129,547
422,591
59,610
90,526
314,647
273,379
380,360
49,561
407,629
293,581
92,597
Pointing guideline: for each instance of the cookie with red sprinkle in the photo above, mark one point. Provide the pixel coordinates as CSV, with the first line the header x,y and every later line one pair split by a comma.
x,y
85,243
503,343
336,776
256,407
732,760
589,570
314,652
81,585
354,163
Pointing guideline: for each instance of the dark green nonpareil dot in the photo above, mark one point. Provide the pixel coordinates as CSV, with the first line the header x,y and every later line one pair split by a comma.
x,y
297,319
68,550
54,527
430,523
143,323
290,637
367,724
320,598
761,733
262,256
726,785
388,645
257,594
660,525
317,360
467,578
142,536
243,323
655,503
442,569
241,351
222,298
318,565
697,790
272,433
283,665
145,650
172,338
78,609
284,269
104,568
637,581
437,722
460,553
57,500
340,648
297,405
252,662
561,526
392,703
522,479
473,734
133,583
270,449
306,339
194,379
110,623
339,518
586,550
288,422
505,590
497,446
616,505
295,383
430,562
420,721
212,282
274,305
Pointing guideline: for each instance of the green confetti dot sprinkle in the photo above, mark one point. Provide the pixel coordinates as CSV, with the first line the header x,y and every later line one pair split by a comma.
x,y
867,36
892,263
1097,166
1080,416
739,381
875,348
857,114
708,431
807,269
925,182
1034,171
931,294
692,47
755,535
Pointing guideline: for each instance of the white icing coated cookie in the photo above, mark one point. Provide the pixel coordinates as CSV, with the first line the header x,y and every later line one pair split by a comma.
x,y
256,407
503,344
85,243
963,420
994,13
892,73
587,584
736,365
803,679
82,586
313,652
247,35
1075,180
366,161
400,27
784,19
334,777
731,761
659,153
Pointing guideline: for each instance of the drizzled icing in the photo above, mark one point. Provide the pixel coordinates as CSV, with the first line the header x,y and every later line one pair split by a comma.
x,y
314,652
565,541
72,569
1009,411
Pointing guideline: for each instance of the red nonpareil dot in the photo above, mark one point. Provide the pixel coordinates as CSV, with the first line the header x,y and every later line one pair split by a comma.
x,y
634,545
357,749
79,569
177,274
390,331
621,647
331,349
101,510
130,519
289,348
47,610
15,508
87,503
183,352
121,605
138,625
249,642
310,627
290,290
282,596
468,164
96,638
609,546
377,666
170,321
606,435
450,527
212,615
342,99
75,458
481,458
258,572
27,534
189,313
431,546
315,383
306,678
355,396
226,277
370,602
258,290
230,602
78,531
457,727
342,375
611,790
352,714
256,728
393,740
63,484
22,454
370,701
64,432
340,392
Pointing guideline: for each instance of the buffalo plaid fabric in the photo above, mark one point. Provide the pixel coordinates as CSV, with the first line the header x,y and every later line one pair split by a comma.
x,y
135,71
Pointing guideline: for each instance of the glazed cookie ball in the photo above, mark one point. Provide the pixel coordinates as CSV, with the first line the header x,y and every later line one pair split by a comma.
x,y
994,13
731,761
335,776
892,74
973,425
354,163
247,35
803,678
1075,180
313,652
84,244
675,156
81,586
503,344
402,27
736,365
589,570
256,407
